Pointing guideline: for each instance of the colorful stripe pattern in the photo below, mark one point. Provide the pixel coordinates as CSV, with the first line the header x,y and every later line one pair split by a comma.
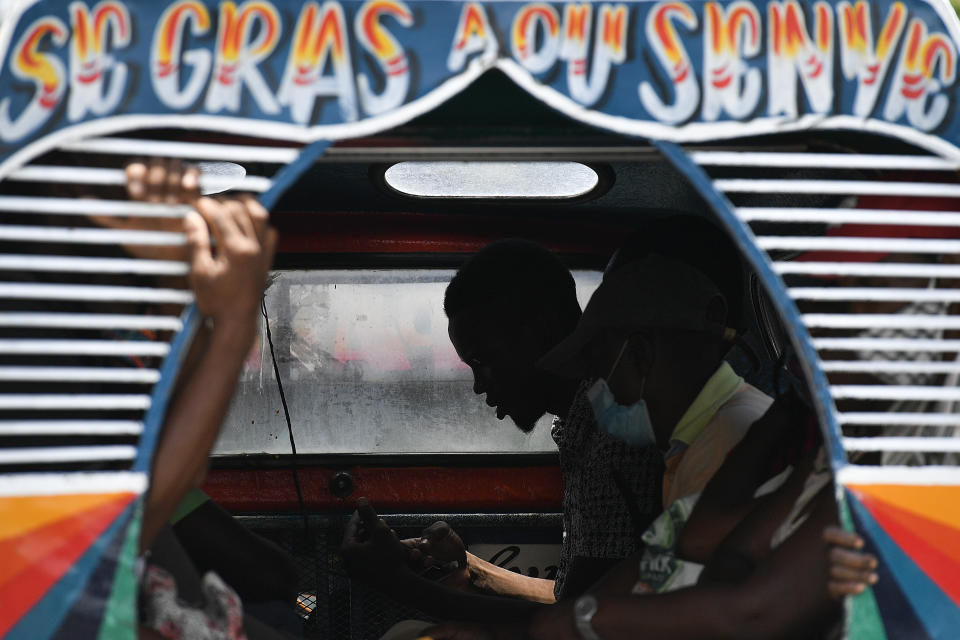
x,y
914,530
59,557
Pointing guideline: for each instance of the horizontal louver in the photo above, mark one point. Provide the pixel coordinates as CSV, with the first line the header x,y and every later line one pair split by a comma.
x,y
867,246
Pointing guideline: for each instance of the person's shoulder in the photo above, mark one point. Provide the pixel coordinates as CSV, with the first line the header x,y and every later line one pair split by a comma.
x,y
741,410
747,398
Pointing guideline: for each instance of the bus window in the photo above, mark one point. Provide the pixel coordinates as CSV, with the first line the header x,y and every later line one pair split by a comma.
x,y
367,367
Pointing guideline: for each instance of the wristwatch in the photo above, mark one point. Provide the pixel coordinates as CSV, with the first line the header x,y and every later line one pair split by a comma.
x,y
583,610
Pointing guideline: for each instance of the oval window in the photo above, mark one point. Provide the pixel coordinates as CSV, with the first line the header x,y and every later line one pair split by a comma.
x,y
520,180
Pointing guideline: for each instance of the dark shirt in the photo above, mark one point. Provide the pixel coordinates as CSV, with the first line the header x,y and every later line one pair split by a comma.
x,y
611,490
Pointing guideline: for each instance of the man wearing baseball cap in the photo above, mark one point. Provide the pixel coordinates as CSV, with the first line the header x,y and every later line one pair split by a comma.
x,y
654,336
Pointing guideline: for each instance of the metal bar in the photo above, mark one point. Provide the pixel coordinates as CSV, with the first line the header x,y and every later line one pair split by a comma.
x,y
118,177
81,235
821,160
880,418
90,207
45,455
855,216
93,293
72,483
875,294
879,443
185,150
869,269
48,401
894,392
885,344
839,187
852,244
126,375
278,155
84,347
887,366
89,321
880,321
70,427
72,264
933,475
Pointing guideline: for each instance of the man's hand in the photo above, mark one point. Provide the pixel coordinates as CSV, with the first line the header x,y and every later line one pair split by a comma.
x,y
370,550
228,280
851,570
163,181
159,181
439,552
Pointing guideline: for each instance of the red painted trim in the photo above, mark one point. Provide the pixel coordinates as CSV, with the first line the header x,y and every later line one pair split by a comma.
x,y
400,489
342,232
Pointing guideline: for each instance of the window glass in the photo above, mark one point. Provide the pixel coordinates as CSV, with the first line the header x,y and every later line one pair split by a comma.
x,y
492,179
367,367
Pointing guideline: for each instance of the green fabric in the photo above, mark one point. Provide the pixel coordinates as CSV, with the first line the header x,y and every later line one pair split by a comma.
x,y
120,616
863,621
661,570
722,384
193,499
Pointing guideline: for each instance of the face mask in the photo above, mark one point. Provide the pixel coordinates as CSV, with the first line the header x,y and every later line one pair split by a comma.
x,y
630,424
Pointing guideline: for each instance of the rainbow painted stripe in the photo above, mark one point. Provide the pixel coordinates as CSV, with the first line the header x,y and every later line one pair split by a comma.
x,y
66,565
915,532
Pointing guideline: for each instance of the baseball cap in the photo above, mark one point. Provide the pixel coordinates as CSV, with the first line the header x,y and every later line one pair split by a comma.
x,y
654,292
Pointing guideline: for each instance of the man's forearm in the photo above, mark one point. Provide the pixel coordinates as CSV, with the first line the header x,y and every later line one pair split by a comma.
x,y
489,578
193,422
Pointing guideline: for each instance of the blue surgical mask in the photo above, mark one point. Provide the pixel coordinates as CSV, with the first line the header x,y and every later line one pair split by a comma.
x,y
631,424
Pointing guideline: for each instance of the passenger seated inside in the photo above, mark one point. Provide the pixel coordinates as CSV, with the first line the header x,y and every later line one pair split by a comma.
x,y
507,306
599,344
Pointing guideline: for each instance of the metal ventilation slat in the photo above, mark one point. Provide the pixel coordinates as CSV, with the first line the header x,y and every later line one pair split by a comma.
x,y
122,293
877,418
124,348
880,443
72,264
118,178
894,392
83,235
883,366
870,270
73,483
70,427
134,148
91,207
98,401
853,244
879,321
839,187
51,455
764,159
848,216
126,375
891,474
107,321
93,293
875,294
887,338
885,344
